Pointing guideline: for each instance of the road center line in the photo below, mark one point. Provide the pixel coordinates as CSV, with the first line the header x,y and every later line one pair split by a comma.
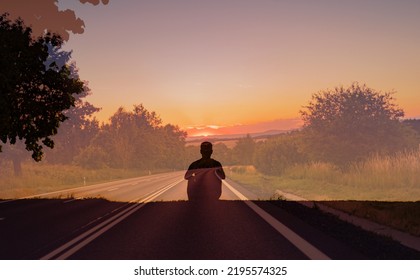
x,y
90,187
87,237
72,199
304,246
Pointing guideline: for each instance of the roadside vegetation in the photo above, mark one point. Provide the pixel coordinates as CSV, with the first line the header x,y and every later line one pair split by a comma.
x,y
382,189
382,178
41,178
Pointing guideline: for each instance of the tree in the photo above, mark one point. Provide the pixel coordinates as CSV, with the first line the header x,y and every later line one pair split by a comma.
x,y
138,140
414,124
76,133
92,157
347,124
33,95
46,15
16,154
172,147
243,152
222,153
276,154
117,139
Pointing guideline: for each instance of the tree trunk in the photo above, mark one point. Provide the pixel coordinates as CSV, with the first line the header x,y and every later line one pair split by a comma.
x,y
17,167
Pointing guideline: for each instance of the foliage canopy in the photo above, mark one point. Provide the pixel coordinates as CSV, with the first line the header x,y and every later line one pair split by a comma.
x,y
34,91
347,124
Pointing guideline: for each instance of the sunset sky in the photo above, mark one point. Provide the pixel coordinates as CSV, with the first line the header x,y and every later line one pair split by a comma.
x,y
233,63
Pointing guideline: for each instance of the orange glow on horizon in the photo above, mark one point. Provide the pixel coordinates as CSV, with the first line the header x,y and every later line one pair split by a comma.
x,y
280,125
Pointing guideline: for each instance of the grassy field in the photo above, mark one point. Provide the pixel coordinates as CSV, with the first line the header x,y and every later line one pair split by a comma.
x,y
379,178
382,189
40,178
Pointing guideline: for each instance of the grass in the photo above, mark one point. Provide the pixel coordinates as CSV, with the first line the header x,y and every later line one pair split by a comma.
x,y
403,216
382,189
40,178
387,178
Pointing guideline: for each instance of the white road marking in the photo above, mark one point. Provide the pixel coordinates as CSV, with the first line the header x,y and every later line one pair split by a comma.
x,y
87,237
304,246
113,189
5,201
71,200
82,240
122,182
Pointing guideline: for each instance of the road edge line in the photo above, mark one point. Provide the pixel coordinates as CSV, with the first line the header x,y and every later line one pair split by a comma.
x,y
304,246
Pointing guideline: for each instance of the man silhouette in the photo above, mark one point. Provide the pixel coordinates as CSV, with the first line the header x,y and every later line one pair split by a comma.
x,y
205,176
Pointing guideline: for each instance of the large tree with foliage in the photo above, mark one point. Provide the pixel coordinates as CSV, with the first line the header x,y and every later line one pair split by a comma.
x,y
34,91
347,124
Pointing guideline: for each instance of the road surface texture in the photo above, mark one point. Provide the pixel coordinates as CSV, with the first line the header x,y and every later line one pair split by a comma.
x,y
150,218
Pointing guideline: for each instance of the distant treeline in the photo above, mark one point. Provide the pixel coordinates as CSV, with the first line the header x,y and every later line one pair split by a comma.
x,y
276,154
363,123
135,139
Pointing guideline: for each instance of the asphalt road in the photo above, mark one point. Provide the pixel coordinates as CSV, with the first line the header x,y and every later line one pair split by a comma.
x,y
150,218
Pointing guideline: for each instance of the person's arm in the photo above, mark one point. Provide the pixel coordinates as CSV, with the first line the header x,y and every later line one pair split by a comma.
x,y
190,173
220,172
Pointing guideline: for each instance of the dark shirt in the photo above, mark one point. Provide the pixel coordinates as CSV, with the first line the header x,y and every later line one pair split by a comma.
x,y
205,179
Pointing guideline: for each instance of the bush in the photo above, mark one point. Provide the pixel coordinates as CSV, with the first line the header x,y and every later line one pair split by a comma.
x,y
275,155
92,158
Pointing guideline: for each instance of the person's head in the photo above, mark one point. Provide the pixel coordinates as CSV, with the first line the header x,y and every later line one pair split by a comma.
x,y
206,149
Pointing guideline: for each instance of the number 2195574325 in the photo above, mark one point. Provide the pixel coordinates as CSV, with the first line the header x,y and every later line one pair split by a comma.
x,y
257,270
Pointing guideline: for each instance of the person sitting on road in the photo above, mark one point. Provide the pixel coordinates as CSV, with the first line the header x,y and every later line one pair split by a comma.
x,y
205,176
